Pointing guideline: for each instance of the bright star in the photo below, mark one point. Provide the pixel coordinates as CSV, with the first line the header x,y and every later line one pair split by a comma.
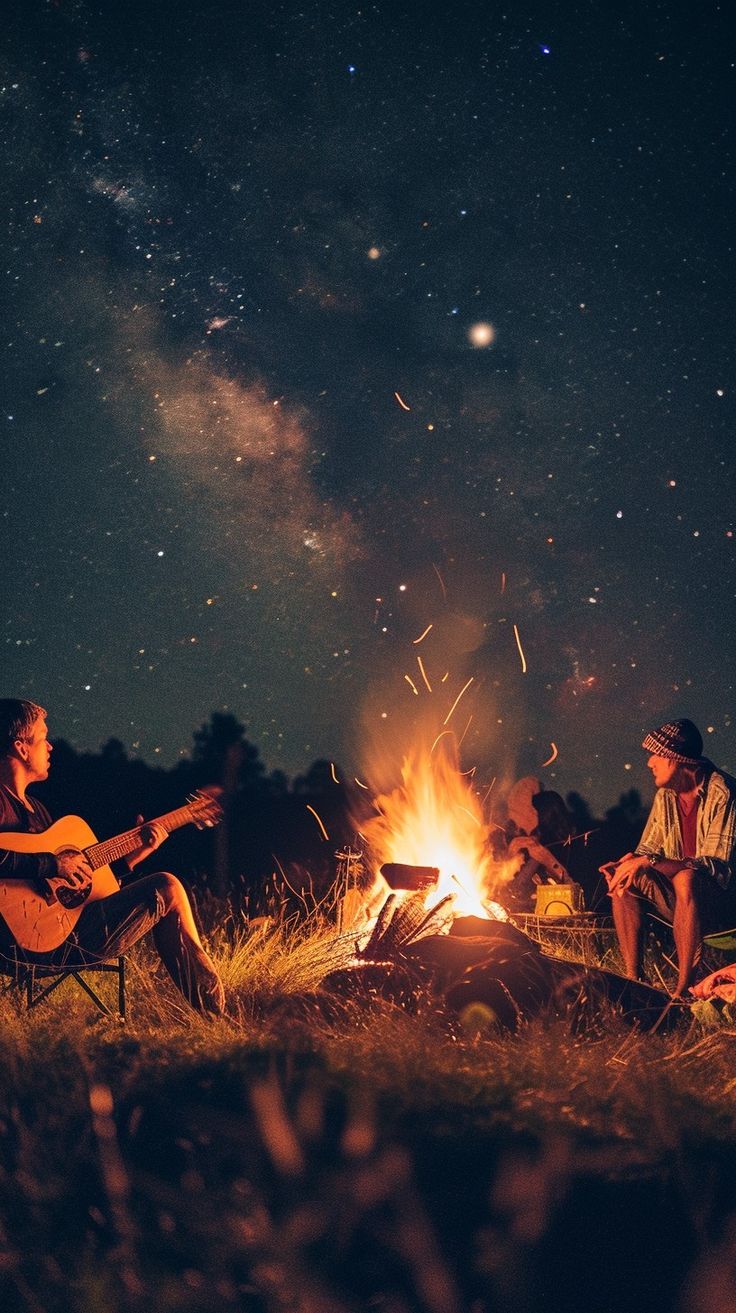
x,y
481,334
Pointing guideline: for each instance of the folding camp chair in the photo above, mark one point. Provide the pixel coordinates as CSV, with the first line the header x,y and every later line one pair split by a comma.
x,y
31,980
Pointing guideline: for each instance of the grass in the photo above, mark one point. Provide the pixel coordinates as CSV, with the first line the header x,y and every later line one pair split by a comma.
x,y
327,1159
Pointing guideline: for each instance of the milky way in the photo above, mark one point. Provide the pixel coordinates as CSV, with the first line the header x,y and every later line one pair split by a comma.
x,y
327,324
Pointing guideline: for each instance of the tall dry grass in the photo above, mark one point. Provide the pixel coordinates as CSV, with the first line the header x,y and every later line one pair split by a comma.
x,y
297,1155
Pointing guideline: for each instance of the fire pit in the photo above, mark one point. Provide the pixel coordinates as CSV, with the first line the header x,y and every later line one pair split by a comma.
x,y
441,935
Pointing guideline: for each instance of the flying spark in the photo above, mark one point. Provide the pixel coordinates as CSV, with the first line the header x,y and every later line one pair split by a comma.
x,y
325,835
401,402
424,673
424,635
488,792
462,736
360,784
442,582
549,760
470,814
332,772
441,735
521,650
411,684
457,699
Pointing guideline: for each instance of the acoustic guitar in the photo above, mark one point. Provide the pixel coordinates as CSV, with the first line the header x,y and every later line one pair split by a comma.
x,y
39,924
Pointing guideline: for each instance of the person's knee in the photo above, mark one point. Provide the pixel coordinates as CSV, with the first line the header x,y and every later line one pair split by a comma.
x,y
170,889
628,901
685,885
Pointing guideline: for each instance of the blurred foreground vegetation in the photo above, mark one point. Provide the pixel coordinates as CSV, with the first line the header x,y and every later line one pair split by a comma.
x,y
317,1154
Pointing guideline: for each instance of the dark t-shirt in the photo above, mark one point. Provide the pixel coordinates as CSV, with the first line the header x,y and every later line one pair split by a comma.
x,y
35,867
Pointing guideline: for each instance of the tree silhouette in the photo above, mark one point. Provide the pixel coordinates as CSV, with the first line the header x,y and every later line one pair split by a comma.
x,y
317,782
114,751
222,754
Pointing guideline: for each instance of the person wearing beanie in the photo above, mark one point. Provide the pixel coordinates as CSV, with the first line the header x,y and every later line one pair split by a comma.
x,y
683,868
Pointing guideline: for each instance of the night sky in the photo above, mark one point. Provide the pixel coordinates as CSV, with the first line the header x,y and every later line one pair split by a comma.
x,y
328,322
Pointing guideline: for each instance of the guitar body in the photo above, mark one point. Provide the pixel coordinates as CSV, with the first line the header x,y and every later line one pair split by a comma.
x,y
36,925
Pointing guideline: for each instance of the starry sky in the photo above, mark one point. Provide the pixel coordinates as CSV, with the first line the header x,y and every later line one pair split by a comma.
x,y
328,322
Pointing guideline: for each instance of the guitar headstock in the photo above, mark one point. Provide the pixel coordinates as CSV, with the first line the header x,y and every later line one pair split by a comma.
x,y
205,809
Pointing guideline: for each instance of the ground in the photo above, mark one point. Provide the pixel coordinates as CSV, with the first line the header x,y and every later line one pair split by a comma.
x,y
298,1156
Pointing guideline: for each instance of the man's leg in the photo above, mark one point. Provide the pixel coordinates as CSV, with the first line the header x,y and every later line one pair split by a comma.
x,y
180,948
159,903
686,927
628,918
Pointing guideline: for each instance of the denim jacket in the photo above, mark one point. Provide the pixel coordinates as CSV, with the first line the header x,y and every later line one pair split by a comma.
x,y
716,838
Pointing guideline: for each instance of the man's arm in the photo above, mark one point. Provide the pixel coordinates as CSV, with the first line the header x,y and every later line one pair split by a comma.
x,y
652,844
45,872
32,867
35,868
152,836
718,846
621,874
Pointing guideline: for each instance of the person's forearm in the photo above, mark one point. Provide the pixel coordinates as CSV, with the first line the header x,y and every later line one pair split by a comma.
x,y
135,858
668,866
34,867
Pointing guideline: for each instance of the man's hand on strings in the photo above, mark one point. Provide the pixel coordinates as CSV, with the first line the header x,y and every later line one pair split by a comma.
x,y
152,836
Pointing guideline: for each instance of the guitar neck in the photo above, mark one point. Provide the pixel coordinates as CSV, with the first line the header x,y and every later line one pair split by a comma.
x,y
101,854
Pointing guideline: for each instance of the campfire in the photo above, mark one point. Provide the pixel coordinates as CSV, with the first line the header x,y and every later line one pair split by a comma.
x,y
430,834
432,928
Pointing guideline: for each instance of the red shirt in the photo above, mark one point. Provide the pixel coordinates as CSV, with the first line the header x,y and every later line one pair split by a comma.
x,y
689,828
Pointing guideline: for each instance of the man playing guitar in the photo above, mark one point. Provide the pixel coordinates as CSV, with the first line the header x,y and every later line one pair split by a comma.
x,y
59,909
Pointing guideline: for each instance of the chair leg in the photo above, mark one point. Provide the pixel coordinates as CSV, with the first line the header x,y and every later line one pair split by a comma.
x,y
33,998
91,993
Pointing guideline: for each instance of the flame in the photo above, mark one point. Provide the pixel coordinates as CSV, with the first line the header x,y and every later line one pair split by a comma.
x,y
434,818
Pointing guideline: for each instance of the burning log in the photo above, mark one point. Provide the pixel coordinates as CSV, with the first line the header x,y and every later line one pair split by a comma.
x,y
410,956
400,875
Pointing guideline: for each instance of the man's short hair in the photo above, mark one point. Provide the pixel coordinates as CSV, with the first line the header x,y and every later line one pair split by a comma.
x,y
17,719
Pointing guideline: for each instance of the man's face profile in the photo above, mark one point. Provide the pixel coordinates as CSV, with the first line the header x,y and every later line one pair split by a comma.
x,y
35,750
663,769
